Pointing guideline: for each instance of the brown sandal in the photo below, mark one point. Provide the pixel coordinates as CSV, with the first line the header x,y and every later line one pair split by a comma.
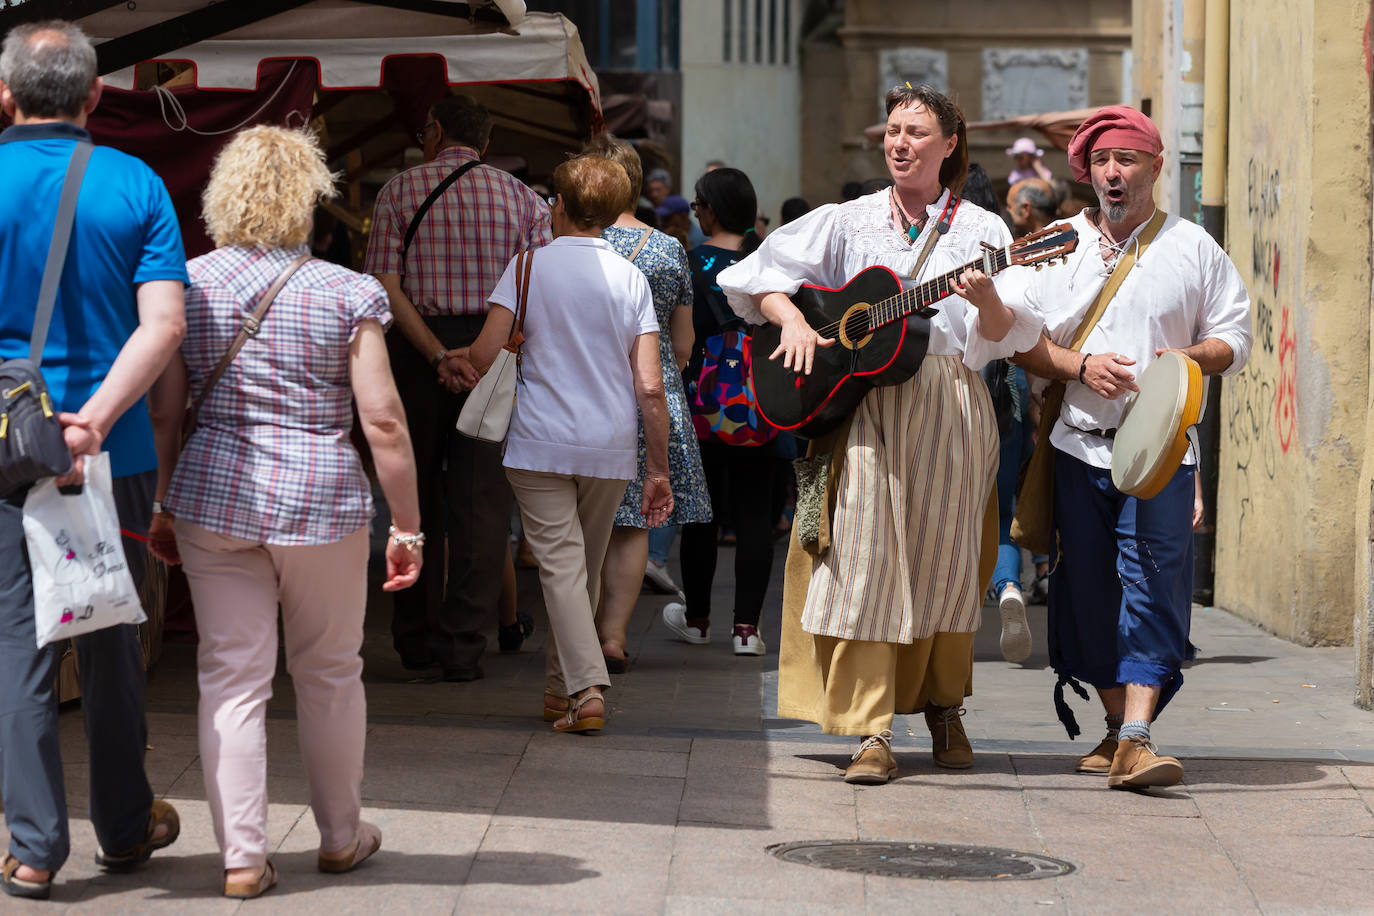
x,y
553,712
247,890
160,814
368,841
23,887
574,721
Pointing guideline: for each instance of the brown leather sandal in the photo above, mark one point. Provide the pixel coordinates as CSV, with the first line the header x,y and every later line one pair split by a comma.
x,y
574,721
557,709
159,814
368,841
24,887
247,890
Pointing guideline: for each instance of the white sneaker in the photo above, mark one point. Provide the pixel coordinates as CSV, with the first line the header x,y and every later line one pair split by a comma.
x,y
675,619
657,577
748,641
1016,635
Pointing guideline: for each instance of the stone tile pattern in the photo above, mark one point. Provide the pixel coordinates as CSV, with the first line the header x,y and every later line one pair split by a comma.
x,y
669,811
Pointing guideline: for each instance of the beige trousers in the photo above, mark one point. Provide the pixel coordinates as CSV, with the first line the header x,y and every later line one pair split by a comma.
x,y
568,523
236,586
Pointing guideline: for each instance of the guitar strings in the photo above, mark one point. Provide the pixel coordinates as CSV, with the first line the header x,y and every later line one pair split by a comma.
x,y
890,309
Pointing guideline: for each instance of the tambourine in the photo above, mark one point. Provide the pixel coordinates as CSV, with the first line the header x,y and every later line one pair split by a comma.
x,y
1153,436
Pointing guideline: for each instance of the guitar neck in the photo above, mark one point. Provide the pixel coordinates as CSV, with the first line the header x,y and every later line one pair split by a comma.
x,y
910,301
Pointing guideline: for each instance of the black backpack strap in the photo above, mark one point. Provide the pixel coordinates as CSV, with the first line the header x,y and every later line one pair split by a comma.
x,y
429,202
57,251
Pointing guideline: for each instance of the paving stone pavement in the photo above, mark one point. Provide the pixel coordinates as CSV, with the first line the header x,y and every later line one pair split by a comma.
x,y
671,808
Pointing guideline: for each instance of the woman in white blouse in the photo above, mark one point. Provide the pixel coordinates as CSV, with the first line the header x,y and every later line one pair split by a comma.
x,y
590,357
882,622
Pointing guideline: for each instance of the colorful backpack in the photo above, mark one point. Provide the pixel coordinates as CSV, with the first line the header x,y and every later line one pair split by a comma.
x,y
722,398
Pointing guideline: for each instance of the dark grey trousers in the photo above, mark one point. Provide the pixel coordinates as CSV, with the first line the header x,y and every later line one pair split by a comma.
x,y
111,668
465,500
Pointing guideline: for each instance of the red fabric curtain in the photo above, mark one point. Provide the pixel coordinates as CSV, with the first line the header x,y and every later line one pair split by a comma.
x,y
143,123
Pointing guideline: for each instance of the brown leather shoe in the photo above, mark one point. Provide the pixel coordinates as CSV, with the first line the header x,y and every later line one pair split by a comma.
x,y
1098,761
948,743
873,763
1138,765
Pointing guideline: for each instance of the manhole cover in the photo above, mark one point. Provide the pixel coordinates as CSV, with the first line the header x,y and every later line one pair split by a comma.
x,y
935,861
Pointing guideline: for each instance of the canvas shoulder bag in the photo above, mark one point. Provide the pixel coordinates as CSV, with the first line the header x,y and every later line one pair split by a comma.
x,y
1032,524
32,446
486,412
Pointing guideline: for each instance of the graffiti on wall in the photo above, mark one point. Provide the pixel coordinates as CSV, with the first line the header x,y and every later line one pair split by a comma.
x,y
1261,419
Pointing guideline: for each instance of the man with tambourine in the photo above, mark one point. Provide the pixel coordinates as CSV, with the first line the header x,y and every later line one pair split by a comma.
x,y
1144,292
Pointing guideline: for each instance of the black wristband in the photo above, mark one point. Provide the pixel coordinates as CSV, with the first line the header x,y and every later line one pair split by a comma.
x,y
1081,366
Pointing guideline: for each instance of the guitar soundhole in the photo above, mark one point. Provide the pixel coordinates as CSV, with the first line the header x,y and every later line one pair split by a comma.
x,y
856,327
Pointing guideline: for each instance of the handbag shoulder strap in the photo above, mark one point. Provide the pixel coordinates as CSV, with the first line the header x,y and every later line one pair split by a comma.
x,y
434,195
249,328
57,250
523,263
643,240
1123,267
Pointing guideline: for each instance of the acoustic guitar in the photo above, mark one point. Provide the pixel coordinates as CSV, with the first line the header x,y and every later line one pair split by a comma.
x,y
881,333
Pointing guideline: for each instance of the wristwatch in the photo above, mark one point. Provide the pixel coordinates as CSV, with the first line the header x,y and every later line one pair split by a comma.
x,y
437,358
157,507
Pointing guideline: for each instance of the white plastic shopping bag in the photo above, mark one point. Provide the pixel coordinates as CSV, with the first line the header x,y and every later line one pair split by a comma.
x,y
81,580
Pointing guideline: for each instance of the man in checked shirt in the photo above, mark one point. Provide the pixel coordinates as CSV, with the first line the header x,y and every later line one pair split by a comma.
x,y
438,271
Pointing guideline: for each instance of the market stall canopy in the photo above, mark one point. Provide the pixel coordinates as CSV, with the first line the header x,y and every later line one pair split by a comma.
x,y
1055,126
184,75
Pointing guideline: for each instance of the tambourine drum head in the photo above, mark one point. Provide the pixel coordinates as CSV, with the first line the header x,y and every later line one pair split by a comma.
x,y
1152,439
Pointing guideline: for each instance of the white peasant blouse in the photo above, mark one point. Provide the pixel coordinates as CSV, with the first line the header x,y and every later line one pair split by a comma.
x,y
834,242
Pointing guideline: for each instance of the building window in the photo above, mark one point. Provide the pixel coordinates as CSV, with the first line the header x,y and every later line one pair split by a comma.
x,y
787,32
743,31
772,31
758,31
727,21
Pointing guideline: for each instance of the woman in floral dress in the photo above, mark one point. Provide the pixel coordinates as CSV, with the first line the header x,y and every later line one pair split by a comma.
x,y
664,263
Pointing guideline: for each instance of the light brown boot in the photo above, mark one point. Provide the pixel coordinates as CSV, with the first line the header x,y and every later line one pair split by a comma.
x,y
948,743
873,763
1098,761
1138,765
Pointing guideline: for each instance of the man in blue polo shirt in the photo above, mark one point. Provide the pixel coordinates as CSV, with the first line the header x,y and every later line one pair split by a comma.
x,y
117,322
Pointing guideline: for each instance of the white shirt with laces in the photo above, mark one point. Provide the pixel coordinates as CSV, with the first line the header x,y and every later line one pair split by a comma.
x,y
1182,291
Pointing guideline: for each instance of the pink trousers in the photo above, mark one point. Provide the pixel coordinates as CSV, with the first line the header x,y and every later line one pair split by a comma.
x,y
236,586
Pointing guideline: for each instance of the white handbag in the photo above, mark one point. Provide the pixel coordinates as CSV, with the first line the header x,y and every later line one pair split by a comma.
x,y
486,412
81,579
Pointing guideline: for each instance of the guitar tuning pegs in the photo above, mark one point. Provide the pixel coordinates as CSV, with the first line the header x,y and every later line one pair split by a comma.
x,y
1038,267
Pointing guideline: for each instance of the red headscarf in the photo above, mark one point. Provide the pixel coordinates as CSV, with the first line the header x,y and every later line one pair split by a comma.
x,y
1113,127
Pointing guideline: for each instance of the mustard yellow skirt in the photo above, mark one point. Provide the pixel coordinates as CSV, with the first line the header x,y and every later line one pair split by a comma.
x,y
855,687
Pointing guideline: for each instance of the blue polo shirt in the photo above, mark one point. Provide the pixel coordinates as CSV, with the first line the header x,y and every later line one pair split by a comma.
x,y
125,234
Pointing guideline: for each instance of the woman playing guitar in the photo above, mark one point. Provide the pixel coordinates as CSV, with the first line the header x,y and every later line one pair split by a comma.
x,y
881,619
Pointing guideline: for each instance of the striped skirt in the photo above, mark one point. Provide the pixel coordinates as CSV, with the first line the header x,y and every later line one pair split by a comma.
x,y
907,530
884,622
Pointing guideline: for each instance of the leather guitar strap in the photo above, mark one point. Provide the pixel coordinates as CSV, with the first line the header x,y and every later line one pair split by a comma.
x,y
249,328
941,227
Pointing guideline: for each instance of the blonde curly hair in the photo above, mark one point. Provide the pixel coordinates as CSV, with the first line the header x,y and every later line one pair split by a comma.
x,y
264,187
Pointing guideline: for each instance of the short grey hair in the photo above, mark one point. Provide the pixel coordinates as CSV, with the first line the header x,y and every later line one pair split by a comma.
x,y
1039,196
659,175
49,68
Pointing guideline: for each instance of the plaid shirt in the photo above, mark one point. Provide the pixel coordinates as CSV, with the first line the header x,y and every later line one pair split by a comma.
x,y
270,460
465,241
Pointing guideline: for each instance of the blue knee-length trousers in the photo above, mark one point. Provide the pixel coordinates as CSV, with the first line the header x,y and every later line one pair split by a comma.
x,y
1121,595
